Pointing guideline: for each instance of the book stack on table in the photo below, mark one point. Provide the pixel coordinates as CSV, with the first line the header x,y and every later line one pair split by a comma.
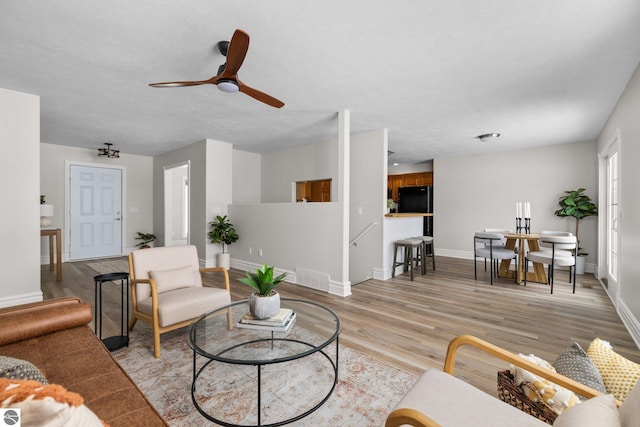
x,y
280,322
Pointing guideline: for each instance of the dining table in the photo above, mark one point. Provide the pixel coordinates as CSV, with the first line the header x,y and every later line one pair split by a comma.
x,y
525,242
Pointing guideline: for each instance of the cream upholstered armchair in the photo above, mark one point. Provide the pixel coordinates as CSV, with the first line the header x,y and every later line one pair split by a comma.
x,y
440,399
167,290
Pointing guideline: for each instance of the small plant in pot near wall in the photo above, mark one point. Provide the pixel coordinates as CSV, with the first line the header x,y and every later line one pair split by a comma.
x,y
265,301
146,239
223,233
578,205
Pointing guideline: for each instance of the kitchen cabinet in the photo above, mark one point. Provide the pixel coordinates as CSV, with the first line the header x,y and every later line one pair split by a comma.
x,y
314,191
416,179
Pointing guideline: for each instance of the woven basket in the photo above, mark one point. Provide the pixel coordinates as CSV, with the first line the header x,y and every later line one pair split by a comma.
x,y
512,394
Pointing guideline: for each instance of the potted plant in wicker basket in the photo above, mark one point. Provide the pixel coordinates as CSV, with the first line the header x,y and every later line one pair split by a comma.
x,y
265,301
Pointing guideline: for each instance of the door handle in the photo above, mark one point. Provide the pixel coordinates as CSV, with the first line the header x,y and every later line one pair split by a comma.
x,y
117,219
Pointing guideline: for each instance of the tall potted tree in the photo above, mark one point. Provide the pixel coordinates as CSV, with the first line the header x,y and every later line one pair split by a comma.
x,y
576,204
223,233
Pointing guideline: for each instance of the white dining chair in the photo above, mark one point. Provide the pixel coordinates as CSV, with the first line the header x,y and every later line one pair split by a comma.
x,y
491,246
556,257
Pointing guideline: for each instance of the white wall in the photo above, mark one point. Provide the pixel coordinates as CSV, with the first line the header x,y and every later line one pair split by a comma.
x,y
20,213
246,177
368,196
625,117
476,192
426,166
305,239
301,163
137,209
210,190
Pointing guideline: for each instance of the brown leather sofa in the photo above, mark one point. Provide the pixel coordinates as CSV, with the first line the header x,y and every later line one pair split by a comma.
x,y
54,335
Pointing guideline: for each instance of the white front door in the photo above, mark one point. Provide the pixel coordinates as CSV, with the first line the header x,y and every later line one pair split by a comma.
x,y
95,212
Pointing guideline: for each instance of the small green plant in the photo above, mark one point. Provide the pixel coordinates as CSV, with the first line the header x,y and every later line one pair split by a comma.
x,y
262,280
42,201
578,205
222,232
146,239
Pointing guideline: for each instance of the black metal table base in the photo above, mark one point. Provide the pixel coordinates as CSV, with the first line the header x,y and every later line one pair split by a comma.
x,y
197,372
118,341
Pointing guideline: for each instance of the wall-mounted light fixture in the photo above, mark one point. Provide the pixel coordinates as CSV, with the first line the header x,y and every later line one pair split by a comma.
x,y
108,152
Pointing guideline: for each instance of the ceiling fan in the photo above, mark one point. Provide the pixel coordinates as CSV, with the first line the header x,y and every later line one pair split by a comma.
x,y
227,78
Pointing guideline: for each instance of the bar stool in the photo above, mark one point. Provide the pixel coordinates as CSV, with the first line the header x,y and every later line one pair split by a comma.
x,y
428,250
410,260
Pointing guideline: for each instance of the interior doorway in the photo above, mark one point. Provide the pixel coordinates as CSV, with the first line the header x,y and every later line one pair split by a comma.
x,y
176,204
94,214
609,217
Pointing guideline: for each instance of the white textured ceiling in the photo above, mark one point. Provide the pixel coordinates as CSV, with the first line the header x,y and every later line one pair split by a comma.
x,y
436,73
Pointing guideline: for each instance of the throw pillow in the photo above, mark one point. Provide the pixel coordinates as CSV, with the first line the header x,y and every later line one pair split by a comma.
x,y
599,411
576,364
19,369
183,277
51,405
618,373
630,409
537,388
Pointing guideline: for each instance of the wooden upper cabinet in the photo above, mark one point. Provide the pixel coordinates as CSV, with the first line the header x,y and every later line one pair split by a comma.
x,y
314,191
408,180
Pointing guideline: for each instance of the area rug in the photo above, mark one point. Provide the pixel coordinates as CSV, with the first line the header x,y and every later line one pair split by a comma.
x,y
366,392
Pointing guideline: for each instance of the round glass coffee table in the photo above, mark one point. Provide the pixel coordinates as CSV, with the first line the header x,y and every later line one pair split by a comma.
x,y
258,377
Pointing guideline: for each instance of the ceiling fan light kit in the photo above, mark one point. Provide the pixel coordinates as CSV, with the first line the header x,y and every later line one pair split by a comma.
x,y
108,152
228,86
227,78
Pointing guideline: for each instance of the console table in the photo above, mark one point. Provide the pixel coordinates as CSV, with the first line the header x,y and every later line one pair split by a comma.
x,y
54,233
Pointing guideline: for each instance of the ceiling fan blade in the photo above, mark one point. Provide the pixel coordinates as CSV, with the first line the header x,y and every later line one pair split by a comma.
x,y
260,96
179,84
236,53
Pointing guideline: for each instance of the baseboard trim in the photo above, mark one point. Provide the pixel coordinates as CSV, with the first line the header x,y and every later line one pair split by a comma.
x,y
629,320
21,299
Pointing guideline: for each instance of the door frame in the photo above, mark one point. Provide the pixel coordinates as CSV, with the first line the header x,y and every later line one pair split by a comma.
x,y
67,206
165,170
603,157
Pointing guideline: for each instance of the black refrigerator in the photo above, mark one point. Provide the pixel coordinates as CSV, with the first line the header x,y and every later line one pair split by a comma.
x,y
420,200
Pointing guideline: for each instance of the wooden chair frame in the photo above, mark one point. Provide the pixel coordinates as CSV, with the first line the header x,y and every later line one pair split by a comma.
x,y
153,319
412,417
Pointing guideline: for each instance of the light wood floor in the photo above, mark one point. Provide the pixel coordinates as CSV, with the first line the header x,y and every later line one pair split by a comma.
x,y
409,324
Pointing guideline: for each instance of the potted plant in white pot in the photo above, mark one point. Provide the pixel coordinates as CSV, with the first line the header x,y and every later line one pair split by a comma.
x,y
265,301
578,205
223,233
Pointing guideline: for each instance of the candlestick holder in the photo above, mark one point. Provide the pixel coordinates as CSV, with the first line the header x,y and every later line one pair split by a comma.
x,y
518,225
527,225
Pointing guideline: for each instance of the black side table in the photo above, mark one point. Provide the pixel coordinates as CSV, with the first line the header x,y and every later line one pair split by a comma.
x,y
115,342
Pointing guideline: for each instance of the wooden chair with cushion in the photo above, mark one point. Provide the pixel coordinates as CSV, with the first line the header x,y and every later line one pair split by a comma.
x,y
440,399
167,290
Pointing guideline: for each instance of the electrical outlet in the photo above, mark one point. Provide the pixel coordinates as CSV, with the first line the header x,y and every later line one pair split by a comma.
x,y
260,251
250,250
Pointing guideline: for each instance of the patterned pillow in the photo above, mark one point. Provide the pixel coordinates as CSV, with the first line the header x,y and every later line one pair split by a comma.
x,y
618,373
576,364
51,405
19,369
